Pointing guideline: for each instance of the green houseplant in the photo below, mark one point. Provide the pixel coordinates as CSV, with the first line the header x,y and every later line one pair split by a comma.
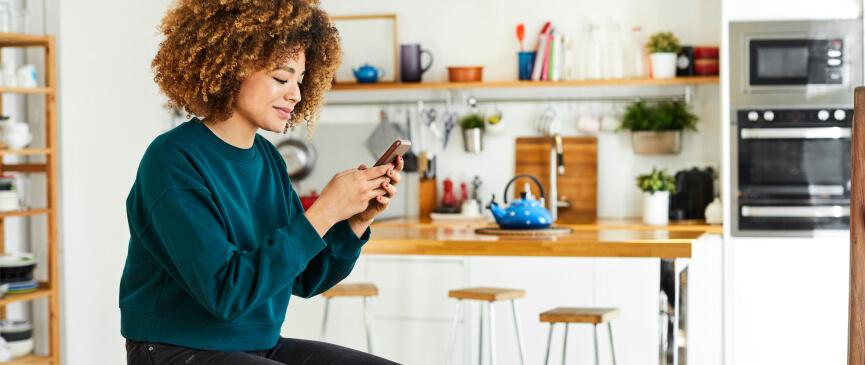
x,y
472,125
663,47
657,128
657,187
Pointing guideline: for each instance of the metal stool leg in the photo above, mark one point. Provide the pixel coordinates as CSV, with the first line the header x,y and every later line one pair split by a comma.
x,y
453,340
370,345
324,320
519,334
612,348
549,342
595,337
481,333
565,345
492,333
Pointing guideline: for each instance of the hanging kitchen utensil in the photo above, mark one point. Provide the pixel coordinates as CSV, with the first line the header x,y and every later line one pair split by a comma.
x,y
409,158
299,157
383,135
450,121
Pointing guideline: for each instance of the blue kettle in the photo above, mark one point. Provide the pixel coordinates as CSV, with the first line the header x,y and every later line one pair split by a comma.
x,y
523,213
367,74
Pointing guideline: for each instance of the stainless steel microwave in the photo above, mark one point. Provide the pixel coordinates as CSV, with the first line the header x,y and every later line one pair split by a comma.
x,y
805,63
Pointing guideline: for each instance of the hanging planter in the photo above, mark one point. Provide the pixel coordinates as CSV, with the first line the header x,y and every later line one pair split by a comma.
x,y
657,129
657,143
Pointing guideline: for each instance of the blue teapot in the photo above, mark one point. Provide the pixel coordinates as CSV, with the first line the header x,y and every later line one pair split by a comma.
x,y
367,74
523,213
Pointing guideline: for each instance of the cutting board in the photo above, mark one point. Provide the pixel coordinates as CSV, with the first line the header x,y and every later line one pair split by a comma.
x,y
579,184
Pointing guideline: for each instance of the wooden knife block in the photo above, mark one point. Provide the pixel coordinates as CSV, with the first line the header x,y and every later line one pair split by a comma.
x,y
579,184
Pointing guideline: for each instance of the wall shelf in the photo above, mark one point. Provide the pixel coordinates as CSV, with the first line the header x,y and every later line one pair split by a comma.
x,y
33,360
678,81
25,90
25,40
41,292
26,151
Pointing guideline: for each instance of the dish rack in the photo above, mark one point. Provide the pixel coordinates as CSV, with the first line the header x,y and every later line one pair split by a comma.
x,y
43,160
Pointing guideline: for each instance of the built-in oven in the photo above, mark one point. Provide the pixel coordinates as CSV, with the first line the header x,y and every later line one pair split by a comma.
x,y
793,169
791,100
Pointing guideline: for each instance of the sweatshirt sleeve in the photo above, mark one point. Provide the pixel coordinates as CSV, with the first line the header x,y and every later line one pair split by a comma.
x,y
334,262
189,240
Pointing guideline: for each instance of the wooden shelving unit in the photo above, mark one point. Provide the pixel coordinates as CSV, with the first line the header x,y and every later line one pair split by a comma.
x,y
47,289
678,81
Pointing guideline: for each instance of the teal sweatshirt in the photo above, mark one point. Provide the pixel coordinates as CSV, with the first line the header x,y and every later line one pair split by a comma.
x,y
219,243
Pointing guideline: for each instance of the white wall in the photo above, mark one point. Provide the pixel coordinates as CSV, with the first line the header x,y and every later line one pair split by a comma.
x,y
110,110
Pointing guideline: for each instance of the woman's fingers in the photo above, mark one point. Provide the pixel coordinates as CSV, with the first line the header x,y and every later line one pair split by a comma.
x,y
400,163
394,176
377,182
374,194
391,190
376,171
383,200
362,167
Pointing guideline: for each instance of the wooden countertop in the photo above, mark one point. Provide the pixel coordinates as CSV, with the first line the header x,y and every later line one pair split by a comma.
x,y
604,238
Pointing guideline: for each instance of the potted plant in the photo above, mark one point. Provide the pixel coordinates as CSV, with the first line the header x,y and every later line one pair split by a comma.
x,y
473,132
663,47
657,129
657,187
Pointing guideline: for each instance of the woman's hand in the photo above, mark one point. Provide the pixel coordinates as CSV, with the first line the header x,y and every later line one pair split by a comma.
x,y
347,194
380,203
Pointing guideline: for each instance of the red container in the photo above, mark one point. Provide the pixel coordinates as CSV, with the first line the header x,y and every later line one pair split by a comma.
x,y
706,52
706,67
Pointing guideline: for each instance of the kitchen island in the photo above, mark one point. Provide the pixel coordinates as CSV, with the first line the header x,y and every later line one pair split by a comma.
x,y
672,245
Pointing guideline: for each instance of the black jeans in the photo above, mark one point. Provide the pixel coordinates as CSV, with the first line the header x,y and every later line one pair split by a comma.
x,y
286,351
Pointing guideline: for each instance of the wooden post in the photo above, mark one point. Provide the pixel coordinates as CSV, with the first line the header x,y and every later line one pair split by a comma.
x,y
856,339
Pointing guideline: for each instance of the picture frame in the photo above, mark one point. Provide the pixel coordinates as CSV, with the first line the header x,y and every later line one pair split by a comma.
x,y
368,39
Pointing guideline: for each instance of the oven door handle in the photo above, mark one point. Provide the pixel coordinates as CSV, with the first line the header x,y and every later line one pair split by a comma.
x,y
796,133
825,211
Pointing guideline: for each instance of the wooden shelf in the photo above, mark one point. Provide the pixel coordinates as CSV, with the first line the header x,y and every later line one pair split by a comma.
x,y
32,360
683,81
26,151
43,291
24,40
24,213
25,90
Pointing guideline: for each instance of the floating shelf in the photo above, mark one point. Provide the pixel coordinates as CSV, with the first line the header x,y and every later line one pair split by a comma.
x,y
24,40
25,152
41,292
683,81
25,90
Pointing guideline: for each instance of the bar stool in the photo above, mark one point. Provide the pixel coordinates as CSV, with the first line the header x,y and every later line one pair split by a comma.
x,y
593,316
364,290
488,295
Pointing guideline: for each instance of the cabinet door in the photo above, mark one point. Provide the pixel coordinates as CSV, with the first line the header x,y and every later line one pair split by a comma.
x,y
789,300
631,285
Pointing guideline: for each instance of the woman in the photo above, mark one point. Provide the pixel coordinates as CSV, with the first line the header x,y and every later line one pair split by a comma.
x,y
219,240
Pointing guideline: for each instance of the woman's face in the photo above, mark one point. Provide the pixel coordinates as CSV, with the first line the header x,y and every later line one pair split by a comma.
x,y
267,97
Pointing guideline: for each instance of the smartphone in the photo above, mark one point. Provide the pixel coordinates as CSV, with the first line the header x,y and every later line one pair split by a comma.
x,y
397,148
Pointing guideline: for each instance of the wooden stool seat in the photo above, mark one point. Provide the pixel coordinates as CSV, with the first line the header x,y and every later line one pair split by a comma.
x,y
352,290
487,294
580,315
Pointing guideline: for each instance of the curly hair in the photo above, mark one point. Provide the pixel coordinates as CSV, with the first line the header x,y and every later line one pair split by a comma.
x,y
210,46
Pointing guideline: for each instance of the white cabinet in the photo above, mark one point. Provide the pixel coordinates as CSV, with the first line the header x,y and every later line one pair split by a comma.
x,y
789,300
